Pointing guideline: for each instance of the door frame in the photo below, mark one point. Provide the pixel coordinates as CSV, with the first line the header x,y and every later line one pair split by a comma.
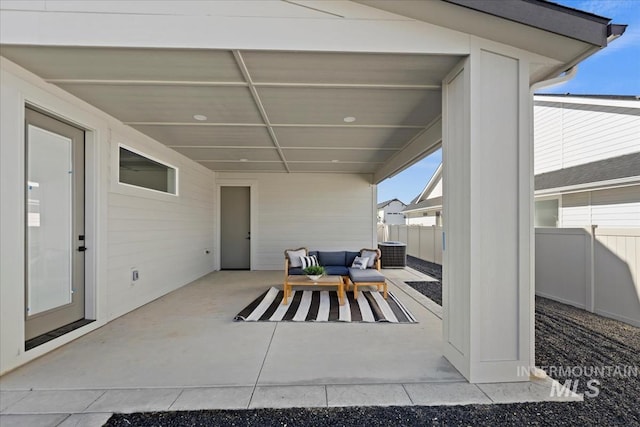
x,y
253,205
94,205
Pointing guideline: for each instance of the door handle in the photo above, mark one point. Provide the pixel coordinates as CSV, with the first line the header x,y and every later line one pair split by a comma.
x,y
82,248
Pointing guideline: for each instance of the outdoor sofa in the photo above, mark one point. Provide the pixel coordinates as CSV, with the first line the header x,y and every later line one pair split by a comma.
x,y
340,263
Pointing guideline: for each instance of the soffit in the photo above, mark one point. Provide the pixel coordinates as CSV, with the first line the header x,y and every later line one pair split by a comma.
x,y
490,27
266,110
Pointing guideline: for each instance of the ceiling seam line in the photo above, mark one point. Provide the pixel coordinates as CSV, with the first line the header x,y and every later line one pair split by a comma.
x,y
257,147
146,82
261,125
256,98
243,84
275,125
349,85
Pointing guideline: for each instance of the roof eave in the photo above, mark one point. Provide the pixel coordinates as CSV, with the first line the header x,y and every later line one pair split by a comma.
x,y
555,18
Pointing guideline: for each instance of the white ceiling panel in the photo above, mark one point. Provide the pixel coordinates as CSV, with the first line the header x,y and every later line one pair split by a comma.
x,y
126,64
210,136
334,167
160,103
306,97
348,68
245,166
235,154
392,138
368,106
378,156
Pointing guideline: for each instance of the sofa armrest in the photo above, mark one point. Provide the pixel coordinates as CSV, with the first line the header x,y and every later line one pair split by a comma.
x,y
378,264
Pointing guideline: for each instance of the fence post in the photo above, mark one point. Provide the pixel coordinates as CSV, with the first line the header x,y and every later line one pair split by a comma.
x,y
591,282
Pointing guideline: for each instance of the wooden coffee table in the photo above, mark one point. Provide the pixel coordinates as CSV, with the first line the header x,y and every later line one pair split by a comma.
x,y
299,280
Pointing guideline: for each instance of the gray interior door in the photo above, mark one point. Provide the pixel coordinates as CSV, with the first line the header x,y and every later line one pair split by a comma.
x,y
54,224
235,228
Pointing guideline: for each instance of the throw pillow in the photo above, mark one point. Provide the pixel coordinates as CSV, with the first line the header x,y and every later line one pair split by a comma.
x,y
360,262
308,261
294,256
372,254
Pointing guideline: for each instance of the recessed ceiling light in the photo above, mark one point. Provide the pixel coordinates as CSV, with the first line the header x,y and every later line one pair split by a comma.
x,y
244,160
349,119
335,161
200,117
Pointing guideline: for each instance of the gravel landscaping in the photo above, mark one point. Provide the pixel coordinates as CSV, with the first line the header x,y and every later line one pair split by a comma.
x,y
567,339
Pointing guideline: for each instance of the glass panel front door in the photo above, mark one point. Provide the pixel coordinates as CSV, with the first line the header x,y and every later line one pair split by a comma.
x,y
54,235
49,213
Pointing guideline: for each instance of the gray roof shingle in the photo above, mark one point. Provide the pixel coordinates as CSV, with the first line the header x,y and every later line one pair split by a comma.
x,y
602,170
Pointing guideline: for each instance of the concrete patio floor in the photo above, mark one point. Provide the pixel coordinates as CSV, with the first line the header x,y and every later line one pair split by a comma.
x,y
185,352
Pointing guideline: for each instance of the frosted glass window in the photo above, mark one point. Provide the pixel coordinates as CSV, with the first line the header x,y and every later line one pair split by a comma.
x,y
49,212
138,170
546,213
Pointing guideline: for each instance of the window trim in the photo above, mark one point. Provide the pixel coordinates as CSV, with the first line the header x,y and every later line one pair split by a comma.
x,y
152,158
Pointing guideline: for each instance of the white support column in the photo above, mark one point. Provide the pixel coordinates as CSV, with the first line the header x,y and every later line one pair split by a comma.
x,y
487,282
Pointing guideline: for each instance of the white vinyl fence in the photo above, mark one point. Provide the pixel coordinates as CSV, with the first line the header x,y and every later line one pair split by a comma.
x,y
597,270
423,241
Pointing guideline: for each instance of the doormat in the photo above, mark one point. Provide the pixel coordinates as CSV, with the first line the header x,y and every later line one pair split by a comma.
x,y
323,306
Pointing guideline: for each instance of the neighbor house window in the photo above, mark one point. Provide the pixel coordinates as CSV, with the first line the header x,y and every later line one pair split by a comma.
x,y
141,171
546,213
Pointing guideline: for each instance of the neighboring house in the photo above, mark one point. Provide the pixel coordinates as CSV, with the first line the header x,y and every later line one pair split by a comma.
x,y
587,161
147,144
390,212
426,208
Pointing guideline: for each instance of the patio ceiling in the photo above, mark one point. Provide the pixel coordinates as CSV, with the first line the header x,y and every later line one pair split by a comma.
x,y
265,110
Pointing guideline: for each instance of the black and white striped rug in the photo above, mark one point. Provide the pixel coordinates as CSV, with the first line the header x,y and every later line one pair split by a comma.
x,y
323,306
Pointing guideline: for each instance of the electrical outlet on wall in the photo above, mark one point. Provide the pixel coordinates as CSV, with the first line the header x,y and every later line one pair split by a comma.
x,y
135,275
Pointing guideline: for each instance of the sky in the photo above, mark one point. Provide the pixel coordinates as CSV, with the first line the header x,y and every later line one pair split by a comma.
x,y
614,70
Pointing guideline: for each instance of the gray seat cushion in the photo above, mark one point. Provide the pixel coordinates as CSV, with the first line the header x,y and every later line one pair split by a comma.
x,y
369,275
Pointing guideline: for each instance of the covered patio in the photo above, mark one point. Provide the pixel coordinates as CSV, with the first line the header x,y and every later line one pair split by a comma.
x,y
309,124
184,352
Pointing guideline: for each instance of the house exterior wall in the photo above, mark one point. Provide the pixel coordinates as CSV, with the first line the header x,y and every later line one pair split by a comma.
x,y
612,207
316,211
164,236
437,190
393,213
578,131
419,218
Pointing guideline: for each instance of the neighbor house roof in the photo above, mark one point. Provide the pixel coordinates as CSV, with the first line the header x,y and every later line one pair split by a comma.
x,y
381,205
429,204
602,172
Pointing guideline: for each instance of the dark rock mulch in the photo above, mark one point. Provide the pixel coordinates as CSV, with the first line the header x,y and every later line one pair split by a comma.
x,y
565,337
426,267
432,290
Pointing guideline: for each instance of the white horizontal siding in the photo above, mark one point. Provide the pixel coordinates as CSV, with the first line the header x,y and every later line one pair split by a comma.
x,y
437,190
614,207
164,238
317,211
569,134
547,138
575,210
